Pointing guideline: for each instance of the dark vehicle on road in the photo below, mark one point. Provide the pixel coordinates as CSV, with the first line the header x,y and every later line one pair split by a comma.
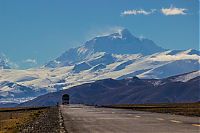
x,y
65,99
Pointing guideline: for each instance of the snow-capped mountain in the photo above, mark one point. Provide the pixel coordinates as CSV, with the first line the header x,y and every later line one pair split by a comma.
x,y
118,56
122,42
129,91
4,63
18,93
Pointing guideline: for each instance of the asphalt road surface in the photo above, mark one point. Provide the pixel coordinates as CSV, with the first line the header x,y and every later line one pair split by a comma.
x,y
86,119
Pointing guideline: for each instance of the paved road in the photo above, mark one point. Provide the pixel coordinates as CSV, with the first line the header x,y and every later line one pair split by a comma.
x,y
85,119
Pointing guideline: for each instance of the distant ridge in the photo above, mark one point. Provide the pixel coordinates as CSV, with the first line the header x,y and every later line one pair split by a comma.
x,y
128,91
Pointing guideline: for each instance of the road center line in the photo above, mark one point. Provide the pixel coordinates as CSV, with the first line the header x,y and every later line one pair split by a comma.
x,y
115,118
160,119
137,116
175,121
197,125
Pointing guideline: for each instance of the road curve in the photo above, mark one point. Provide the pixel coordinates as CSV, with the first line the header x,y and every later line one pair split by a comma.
x,y
86,119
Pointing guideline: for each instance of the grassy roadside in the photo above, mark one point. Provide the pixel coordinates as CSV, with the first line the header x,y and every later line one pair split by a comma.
x,y
11,119
187,109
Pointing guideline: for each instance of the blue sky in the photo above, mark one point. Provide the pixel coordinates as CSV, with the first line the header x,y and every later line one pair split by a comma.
x,y
33,32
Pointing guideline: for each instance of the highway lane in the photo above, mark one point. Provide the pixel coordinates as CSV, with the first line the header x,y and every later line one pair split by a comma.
x,y
86,119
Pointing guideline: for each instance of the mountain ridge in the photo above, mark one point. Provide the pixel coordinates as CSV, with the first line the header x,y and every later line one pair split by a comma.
x,y
122,42
127,91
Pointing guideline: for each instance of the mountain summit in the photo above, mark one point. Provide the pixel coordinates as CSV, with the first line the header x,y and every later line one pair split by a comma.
x,y
4,63
122,42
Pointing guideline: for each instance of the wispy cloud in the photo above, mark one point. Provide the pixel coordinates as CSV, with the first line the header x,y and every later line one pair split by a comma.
x,y
109,30
103,31
169,11
173,11
137,12
31,61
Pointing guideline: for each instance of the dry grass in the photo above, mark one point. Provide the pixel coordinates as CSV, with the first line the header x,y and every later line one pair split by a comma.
x,y
188,109
11,119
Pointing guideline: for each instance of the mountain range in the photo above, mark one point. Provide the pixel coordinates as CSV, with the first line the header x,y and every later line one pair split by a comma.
x,y
177,89
118,56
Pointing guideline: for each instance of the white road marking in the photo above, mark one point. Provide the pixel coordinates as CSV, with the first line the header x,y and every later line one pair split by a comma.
x,y
160,119
116,118
137,116
197,125
175,121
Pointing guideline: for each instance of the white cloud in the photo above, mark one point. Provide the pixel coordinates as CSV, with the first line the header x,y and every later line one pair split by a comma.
x,y
137,12
109,30
31,61
103,31
165,11
173,11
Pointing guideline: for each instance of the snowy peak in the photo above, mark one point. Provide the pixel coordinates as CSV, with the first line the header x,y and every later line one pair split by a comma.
x,y
122,34
122,42
4,63
18,93
125,33
192,52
